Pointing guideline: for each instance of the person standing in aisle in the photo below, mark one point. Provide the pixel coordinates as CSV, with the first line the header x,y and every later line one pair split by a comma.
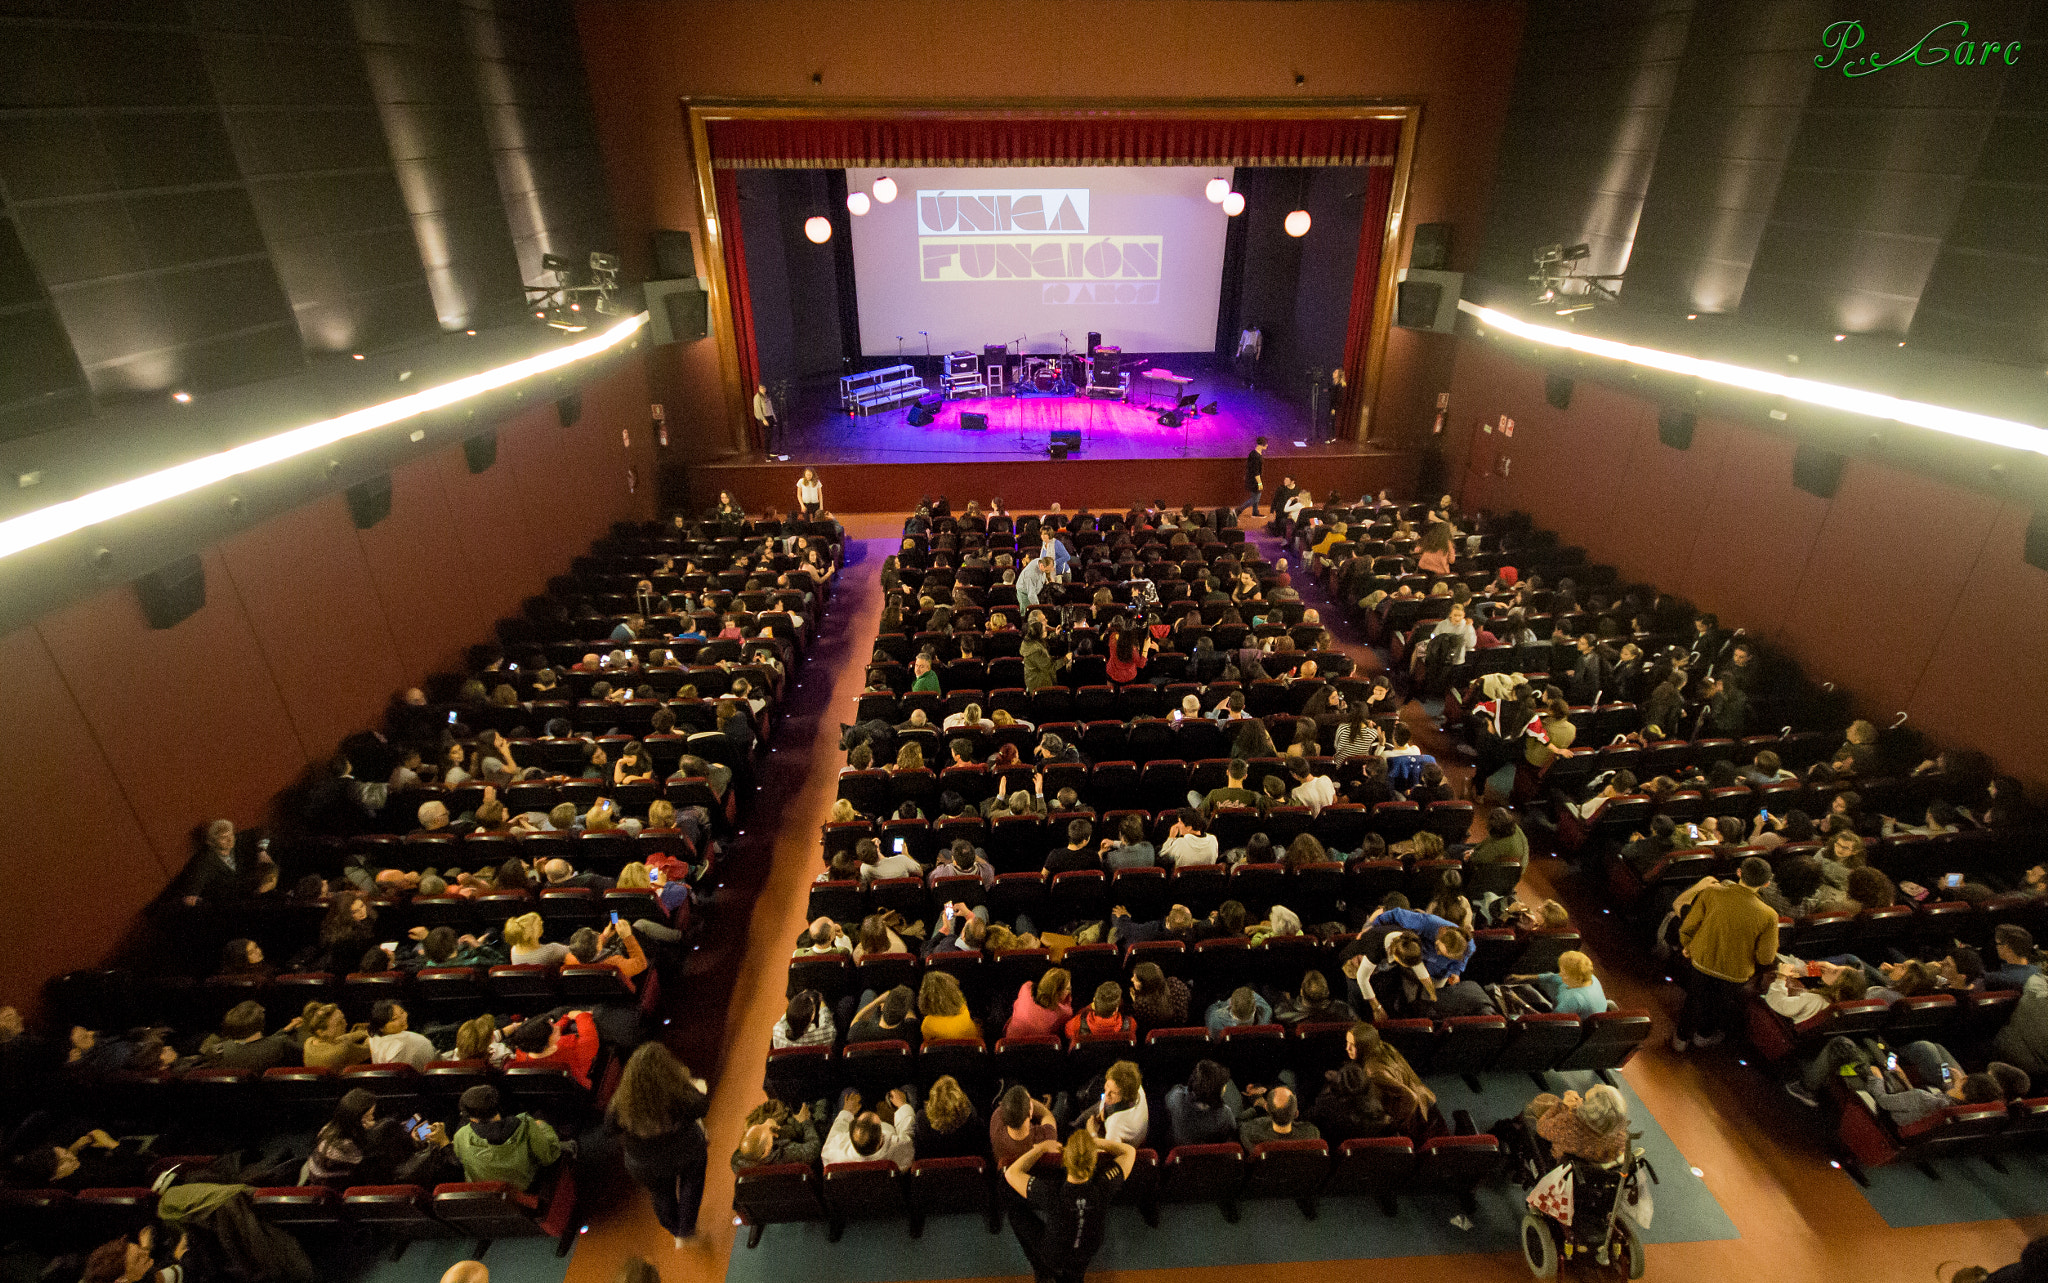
x,y
810,493
1060,1222
1254,476
658,1115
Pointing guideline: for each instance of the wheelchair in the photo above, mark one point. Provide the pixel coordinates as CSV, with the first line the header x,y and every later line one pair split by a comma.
x,y
1599,1232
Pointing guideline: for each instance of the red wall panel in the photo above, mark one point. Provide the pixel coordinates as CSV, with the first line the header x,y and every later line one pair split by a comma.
x,y
1906,591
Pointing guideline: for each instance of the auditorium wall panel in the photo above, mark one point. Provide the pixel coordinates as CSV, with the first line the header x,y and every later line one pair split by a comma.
x,y
1908,592
645,57
132,737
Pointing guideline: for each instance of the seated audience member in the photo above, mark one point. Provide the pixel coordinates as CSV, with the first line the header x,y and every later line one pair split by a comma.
x,y
1243,1007
392,1040
821,937
1203,1110
1348,1108
96,1160
1119,1112
244,958
947,1126
522,936
493,1147
570,1041
775,1136
964,860
330,1043
860,1137
2024,1040
2018,960
1189,842
1572,988
807,1022
1128,849
617,946
1042,1008
944,1009
240,1044
1018,1125
1593,1126
1104,1016
1313,1002
357,1148
882,1017
896,864
877,937
1158,1001
1505,842
1921,1079
1275,1115
1791,997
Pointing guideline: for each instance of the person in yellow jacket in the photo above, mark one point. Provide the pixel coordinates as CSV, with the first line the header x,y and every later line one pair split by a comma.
x,y
1727,934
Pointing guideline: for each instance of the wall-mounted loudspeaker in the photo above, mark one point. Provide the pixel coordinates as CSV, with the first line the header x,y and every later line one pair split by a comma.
x,y
2037,540
174,593
1674,428
672,257
569,409
1425,300
369,502
1817,471
1431,251
1557,389
481,450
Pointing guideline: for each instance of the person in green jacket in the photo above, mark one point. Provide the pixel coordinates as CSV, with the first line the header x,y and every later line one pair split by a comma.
x,y
493,1147
927,676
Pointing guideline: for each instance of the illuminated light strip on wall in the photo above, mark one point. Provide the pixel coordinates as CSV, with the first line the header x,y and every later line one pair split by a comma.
x,y
1936,418
122,498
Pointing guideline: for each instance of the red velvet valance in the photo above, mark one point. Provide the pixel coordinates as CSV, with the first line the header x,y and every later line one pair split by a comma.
x,y
1105,139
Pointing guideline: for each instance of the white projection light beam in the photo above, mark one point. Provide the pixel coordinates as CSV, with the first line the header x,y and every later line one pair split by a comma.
x,y
59,519
1833,396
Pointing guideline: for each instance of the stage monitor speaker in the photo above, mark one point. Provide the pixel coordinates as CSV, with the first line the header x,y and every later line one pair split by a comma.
x,y
972,422
921,415
1094,341
2037,540
1674,428
1428,300
481,450
673,259
1064,442
1107,361
1431,250
1817,471
369,502
173,593
1557,389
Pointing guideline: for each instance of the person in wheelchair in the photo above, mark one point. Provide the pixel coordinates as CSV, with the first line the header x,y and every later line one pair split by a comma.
x,y
1593,1127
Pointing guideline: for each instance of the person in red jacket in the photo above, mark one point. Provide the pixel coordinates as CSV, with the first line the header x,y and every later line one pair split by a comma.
x,y
1105,1015
570,1042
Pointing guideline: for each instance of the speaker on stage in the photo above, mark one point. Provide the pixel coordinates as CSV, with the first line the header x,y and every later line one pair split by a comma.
x,y
1094,341
972,422
1064,442
924,410
1107,363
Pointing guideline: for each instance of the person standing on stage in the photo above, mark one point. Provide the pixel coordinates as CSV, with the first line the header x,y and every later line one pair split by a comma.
x,y
1254,476
810,493
764,414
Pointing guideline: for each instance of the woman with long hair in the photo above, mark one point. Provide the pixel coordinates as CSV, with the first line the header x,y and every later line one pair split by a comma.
x,y
1403,1096
658,1115
947,1126
349,928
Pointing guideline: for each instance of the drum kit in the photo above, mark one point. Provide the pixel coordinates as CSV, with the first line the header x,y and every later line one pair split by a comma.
x,y
1056,375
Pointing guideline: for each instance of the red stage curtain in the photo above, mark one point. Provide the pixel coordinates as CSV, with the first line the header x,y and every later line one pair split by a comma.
x,y
1365,281
1106,139
726,188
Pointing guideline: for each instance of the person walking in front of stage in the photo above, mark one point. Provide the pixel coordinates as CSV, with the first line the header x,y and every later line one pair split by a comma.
x,y
810,492
764,414
1254,476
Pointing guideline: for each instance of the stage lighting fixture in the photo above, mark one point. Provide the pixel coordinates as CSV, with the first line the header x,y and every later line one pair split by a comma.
x,y
1573,253
1578,304
857,202
553,263
182,398
818,229
885,189
1217,189
1233,203
1297,223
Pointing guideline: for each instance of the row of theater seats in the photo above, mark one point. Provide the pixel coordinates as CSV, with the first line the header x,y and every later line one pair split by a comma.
x,y
58,1220
1138,703
1304,1171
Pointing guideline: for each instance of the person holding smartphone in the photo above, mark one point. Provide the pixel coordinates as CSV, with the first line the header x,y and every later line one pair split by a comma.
x,y
1912,1083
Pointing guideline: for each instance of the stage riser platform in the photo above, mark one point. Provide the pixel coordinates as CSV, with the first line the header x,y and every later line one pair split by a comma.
x,y
1028,484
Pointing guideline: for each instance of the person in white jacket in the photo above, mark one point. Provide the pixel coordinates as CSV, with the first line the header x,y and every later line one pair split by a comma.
x,y
1791,997
858,1137
1120,1114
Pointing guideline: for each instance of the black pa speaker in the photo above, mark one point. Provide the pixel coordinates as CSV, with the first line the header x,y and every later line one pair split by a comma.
x,y
972,422
1431,251
689,313
481,450
1094,340
1107,361
672,257
369,502
1416,304
1557,389
173,593
1817,471
569,409
1674,428
2036,550
1064,442
924,410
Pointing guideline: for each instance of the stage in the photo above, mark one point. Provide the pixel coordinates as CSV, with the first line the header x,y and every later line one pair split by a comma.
x,y
883,463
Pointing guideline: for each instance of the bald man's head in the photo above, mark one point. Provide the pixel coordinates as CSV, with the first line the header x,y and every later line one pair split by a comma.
x,y
557,870
467,1272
